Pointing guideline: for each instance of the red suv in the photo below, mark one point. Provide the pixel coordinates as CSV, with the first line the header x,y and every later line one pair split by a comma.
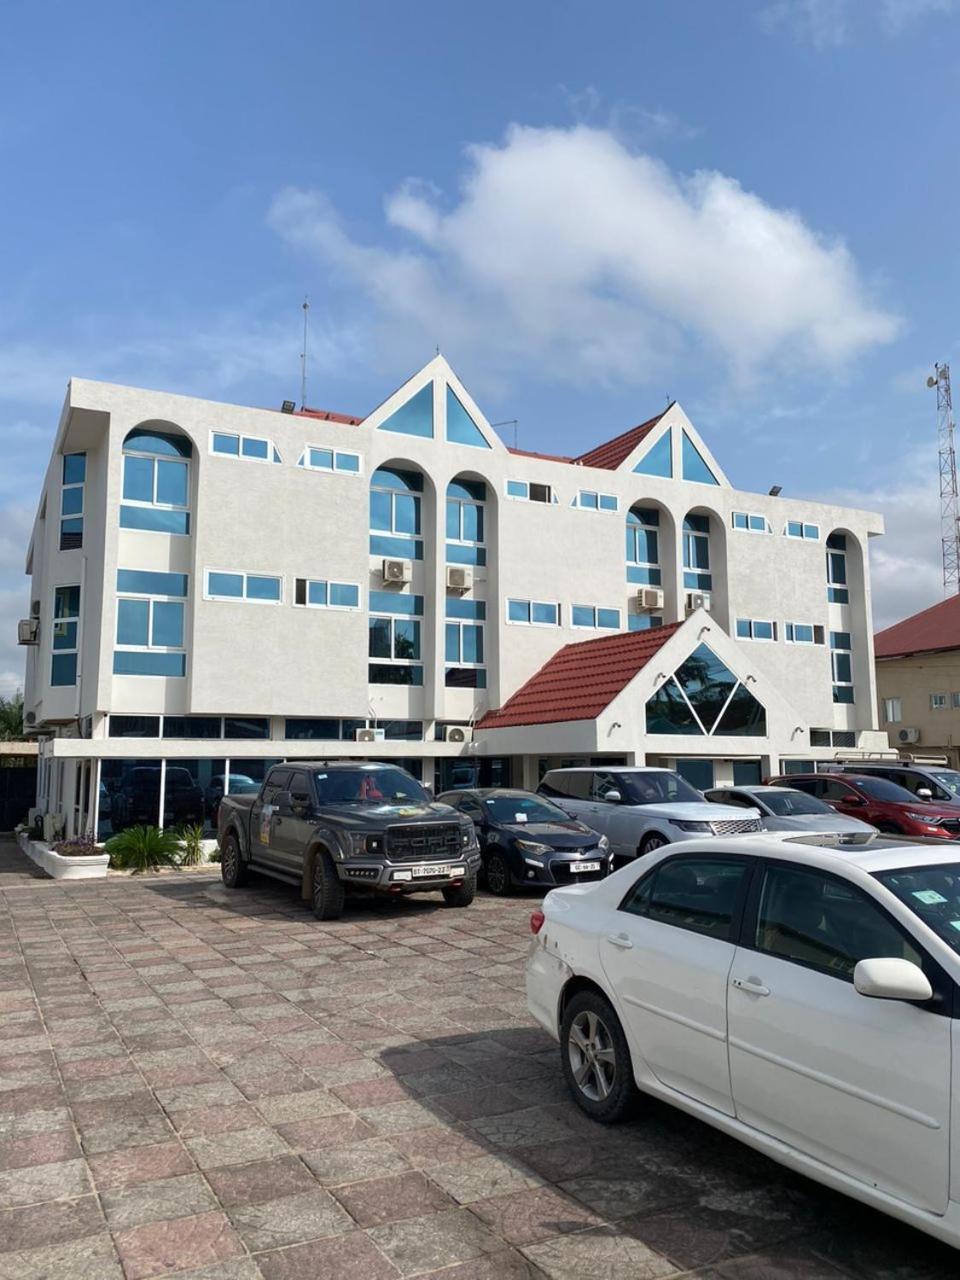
x,y
879,802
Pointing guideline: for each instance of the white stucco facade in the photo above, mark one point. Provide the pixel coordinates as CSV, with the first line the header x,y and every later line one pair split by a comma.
x,y
278,663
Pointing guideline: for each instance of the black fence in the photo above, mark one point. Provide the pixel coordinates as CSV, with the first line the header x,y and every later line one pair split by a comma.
x,y
18,790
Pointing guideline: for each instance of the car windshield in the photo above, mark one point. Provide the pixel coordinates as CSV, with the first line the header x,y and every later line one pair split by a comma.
x,y
881,789
239,782
787,804
949,779
520,809
662,787
369,786
933,894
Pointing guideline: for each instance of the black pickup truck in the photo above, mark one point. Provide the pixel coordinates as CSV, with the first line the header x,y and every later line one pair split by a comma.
x,y
331,827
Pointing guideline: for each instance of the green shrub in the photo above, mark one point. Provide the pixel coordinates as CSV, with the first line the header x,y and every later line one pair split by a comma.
x,y
143,849
191,844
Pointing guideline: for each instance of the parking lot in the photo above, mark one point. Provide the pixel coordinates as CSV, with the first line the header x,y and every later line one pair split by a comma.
x,y
209,1084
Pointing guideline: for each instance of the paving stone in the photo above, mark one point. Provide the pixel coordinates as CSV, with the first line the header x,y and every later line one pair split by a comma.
x,y
160,1247
65,1180
426,1244
379,1200
425,1148
325,1131
355,1162
55,1222
526,1216
155,1201
238,1147
92,1258
130,1131
271,1224
40,1148
347,1257
241,1184
127,1168
482,1177
601,1254
286,1108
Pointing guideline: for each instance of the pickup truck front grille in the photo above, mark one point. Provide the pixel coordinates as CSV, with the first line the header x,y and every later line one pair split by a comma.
x,y
427,842
735,826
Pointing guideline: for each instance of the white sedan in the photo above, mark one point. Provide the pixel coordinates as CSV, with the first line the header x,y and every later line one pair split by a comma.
x,y
803,999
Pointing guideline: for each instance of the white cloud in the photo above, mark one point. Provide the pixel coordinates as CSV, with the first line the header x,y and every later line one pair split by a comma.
x,y
831,23
566,251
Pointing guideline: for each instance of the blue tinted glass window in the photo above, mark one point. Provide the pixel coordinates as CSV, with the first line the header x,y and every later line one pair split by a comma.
x,y
583,616
468,490
132,662
457,553
146,441
138,479
406,548
415,418
517,488
740,520
469,609
803,633
172,483
841,693
471,522
758,524
226,444
406,638
66,602
472,644
643,622
396,602
763,630
344,595
697,524
251,447
71,501
544,613
225,584
406,513
65,635
453,519
518,610
811,531
837,541
794,529
643,515
155,519
658,460
608,618
167,623
461,428
262,588
837,567
381,510
321,458
74,468
63,669
743,628
608,502
452,647
694,466
840,640
696,551
588,500
317,593
403,481
145,582
380,632
133,622
348,462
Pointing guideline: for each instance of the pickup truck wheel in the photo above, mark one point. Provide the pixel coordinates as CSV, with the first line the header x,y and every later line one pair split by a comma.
x,y
233,870
328,892
653,841
462,895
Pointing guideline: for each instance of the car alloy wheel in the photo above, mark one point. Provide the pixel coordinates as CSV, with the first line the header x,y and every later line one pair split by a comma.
x,y
652,842
497,875
593,1058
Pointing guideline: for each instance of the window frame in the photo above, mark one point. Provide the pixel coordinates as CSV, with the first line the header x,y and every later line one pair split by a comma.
x,y
154,459
333,470
579,505
757,622
748,527
743,898
460,661
550,499
393,531
803,535
67,618
327,583
886,704
460,503
273,458
941,704
529,622
815,627
243,598
595,625
393,619
150,647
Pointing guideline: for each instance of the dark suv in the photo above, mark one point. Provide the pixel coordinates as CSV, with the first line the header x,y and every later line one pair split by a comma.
x,y
926,781
880,802
333,827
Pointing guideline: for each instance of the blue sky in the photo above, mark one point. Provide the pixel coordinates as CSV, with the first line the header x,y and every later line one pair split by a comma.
x,y
748,207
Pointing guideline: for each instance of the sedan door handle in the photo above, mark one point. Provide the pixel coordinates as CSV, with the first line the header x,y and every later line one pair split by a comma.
x,y
752,986
620,940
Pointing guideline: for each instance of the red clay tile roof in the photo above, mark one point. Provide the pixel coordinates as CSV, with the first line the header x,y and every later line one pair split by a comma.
x,y
932,629
609,455
329,416
580,680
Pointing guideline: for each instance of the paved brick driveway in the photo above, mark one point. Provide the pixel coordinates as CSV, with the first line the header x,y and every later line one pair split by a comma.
x,y
209,1085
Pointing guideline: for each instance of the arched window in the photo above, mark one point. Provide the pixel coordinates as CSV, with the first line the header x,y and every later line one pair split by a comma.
x,y
837,589
466,522
643,546
156,481
395,513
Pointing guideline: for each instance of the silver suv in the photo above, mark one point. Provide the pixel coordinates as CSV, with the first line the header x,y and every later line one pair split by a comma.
x,y
640,809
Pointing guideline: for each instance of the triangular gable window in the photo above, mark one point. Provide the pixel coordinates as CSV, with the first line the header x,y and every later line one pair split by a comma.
x,y
461,428
415,418
658,460
694,467
703,696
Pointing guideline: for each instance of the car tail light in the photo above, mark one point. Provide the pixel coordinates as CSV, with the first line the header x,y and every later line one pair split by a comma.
x,y
537,919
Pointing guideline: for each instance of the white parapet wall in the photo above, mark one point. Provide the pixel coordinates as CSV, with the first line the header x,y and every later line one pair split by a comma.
x,y
59,867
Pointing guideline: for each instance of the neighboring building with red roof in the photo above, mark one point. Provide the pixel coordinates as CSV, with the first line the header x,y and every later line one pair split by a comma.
x,y
216,586
918,681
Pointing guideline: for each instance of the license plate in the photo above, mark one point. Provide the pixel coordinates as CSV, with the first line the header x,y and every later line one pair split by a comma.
x,y
432,872
576,867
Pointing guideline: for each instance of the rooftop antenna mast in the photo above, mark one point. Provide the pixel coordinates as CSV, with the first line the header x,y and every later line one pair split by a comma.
x,y
949,504
509,422
303,356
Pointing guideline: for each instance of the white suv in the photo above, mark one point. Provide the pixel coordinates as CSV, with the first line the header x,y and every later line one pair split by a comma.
x,y
640,809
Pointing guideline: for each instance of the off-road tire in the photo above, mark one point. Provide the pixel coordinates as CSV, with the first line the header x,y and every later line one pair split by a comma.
x,y
462,895
497,874
606,1091
327,893
651,842
233,870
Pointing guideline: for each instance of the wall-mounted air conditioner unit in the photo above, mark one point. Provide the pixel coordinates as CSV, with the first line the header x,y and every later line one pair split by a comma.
x,y
30,717
397,571
370,735
649,599
459,577
28,631
35,609
457,733
698,600
908,735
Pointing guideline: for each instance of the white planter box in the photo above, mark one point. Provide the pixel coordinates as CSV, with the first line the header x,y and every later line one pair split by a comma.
x,y
59,867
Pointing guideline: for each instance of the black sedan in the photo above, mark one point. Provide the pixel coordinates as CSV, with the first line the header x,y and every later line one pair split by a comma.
x,y
526,840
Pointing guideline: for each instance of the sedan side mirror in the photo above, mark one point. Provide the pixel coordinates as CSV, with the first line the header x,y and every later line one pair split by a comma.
x,y
612,796
888,978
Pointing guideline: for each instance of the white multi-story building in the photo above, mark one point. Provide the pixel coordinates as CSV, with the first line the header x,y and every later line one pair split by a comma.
x,y
215,588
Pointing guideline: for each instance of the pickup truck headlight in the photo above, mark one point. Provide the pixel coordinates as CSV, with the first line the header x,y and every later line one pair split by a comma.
x,y
704,828
534,846
361,844
468,836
